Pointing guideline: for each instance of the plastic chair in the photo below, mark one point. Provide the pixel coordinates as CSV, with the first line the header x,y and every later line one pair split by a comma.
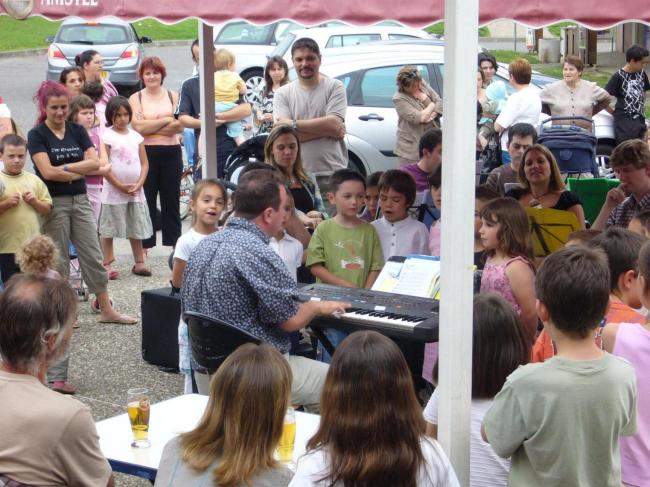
x,y
212,340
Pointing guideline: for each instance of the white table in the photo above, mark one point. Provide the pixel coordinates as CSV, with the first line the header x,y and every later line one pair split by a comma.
x,y
168,419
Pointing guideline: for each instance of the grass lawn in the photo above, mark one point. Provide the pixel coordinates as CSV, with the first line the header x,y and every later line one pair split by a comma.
x,y
439,29
25,34
187,29
507,56
590,74
31,33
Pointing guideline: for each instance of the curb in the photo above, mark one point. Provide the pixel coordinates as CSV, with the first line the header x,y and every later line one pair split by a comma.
x,y
43,50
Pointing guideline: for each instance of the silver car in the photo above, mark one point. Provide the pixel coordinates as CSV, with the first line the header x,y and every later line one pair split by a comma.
x,y
115,40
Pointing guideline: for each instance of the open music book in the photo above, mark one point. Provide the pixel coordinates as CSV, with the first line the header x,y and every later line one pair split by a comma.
x,y
413,275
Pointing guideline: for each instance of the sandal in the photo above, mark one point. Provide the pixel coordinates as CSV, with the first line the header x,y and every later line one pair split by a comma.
x,y
143,271
112,275
63,387
119,320
94,306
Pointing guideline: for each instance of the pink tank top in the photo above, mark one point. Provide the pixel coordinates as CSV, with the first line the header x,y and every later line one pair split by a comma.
x,y
153,111
633,344
495,281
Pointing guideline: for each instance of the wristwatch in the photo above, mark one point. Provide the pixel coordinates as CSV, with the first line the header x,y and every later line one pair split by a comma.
x,y
294,124
65,168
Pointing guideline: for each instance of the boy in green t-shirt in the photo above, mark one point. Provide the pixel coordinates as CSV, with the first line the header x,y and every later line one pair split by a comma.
x,y
345,250
24,201
560,420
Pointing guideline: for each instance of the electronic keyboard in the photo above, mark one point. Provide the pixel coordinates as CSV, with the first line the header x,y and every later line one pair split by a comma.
x,y
394,315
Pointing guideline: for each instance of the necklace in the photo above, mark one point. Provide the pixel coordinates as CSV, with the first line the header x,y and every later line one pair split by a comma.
x,y
535,201
58,132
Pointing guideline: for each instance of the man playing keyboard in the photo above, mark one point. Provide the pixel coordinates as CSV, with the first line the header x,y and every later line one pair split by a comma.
x,y
234,276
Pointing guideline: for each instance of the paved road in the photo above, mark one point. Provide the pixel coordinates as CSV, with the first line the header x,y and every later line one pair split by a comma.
x,y
21,77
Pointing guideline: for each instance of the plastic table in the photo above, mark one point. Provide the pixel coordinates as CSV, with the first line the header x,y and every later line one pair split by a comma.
x,y
168,419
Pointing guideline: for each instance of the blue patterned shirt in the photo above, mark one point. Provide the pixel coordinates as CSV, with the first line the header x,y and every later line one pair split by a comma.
x,y
234,275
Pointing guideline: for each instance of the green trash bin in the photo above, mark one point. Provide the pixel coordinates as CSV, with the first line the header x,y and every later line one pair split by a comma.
x,y
592,193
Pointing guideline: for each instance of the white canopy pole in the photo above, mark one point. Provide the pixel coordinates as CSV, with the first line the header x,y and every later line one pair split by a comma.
x,y
208,139
458,181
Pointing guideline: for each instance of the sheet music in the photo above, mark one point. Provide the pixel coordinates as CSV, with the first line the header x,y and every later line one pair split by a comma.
x,y
417,275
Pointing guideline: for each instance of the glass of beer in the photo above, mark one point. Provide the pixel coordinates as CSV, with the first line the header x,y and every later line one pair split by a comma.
x,y
138,407
288,438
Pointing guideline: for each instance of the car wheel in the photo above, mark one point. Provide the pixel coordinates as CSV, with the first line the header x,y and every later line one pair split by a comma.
x,y
355,163
254,80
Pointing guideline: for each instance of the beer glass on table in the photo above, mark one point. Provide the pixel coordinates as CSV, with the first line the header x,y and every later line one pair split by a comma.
x,y
138,408
288,438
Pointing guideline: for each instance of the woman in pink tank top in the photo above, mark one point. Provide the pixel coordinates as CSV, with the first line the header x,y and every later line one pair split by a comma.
x,y
153,117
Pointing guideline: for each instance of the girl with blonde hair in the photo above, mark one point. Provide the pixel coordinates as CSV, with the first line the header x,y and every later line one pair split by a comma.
x,y
234,442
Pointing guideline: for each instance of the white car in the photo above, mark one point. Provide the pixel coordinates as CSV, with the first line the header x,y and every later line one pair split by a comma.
x,y
251,44
369,74
329,38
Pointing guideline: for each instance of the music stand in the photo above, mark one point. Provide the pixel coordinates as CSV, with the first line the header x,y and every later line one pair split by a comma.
x,y
550,229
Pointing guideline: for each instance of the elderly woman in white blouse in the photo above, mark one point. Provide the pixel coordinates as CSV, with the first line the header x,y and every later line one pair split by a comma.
x,y
572,96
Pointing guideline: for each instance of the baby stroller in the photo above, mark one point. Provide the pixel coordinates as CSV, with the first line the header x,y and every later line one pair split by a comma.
x,y
574,147
250,151
75,280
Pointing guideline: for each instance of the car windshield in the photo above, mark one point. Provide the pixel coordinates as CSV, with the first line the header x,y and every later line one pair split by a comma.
x,y
92,34
244,33
284,45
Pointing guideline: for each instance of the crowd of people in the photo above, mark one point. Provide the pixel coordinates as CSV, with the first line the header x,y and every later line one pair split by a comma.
x,y
560,345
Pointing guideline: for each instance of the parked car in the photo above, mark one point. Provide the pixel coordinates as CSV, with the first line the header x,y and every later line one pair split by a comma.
x,y
251,44
117,41
369,71
346,36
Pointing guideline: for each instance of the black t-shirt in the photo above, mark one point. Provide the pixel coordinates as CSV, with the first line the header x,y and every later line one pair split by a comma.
x,y
302,199
566,200
629,90
189,103
60,151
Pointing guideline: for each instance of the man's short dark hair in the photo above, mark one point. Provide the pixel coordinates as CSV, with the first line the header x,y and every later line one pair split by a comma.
x,y
430,139
573,285
13,140
435,178
342,175
33,308
636,53
622,248
522,129
486,56
256,191
305,43
399,181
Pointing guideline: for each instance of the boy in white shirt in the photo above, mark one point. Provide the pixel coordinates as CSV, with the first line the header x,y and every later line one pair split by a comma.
x,y
287,247
399,233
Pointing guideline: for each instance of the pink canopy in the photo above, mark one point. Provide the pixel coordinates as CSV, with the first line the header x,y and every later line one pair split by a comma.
x,y
417,13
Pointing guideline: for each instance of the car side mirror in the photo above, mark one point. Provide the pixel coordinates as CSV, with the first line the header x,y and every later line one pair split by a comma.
x,y
145,40
49,39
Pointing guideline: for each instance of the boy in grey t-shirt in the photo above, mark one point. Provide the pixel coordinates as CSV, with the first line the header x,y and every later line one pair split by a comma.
x,y
560,420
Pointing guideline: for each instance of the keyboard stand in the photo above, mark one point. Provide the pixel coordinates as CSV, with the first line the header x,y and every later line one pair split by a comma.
x,y
322,338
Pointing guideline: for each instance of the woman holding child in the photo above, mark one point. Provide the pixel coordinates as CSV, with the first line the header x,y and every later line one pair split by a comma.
x,y
153,117
282,151
542,186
